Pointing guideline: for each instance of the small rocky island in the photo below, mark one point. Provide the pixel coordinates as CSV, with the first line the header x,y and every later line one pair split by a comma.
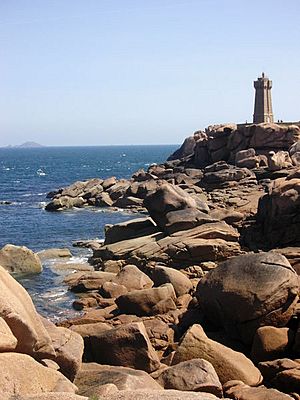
x,y
197,299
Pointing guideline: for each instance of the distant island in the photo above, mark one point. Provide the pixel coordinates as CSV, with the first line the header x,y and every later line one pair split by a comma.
x,y
26,145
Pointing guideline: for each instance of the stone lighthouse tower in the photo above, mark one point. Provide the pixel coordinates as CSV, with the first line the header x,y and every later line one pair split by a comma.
x,y
263,102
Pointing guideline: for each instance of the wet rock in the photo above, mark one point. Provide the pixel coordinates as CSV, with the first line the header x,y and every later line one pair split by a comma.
x,y
229,364
54,253
64,202
249,291
19,259
103,200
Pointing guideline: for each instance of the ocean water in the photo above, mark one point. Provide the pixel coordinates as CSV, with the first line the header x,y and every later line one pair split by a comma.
x,y
27,175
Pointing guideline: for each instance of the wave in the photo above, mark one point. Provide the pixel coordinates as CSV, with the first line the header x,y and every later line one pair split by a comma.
x,y
40,172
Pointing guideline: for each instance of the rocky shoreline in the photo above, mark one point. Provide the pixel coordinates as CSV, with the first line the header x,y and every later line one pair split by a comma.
x,y
199,299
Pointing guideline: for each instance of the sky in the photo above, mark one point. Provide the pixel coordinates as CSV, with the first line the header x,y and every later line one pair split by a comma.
x,y
101,72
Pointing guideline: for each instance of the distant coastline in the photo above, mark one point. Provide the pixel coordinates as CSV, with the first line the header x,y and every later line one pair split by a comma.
x,y
25,145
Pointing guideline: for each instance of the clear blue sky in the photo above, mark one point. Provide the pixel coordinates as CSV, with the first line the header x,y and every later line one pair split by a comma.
x,y
94,72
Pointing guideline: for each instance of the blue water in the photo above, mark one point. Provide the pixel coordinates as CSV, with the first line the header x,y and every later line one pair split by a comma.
x,y
27,175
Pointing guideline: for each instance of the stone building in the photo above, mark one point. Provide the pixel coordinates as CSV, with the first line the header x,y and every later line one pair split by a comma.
x,y
263,102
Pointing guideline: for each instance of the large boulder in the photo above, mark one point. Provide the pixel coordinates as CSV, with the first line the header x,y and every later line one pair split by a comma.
x,y
133,278
84,282
90,332
126,345
246,159
180,282
148,301
18,311
229,364
22,375
167,198
249,291
271,343
68,346
8,342
278,212
185,150
19,259
194,375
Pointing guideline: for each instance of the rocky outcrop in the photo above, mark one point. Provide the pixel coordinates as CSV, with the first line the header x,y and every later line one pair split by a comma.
x,y
18,311
208,242
226,142
278,212
19,260
28,341
250,291
229,364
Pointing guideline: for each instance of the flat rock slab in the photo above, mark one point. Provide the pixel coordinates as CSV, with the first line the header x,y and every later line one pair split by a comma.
x,y
92,376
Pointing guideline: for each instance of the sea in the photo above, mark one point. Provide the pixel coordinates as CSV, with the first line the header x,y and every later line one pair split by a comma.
x,y
28,174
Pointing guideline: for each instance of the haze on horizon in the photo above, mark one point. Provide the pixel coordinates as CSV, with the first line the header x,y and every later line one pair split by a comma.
x,y
131,72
